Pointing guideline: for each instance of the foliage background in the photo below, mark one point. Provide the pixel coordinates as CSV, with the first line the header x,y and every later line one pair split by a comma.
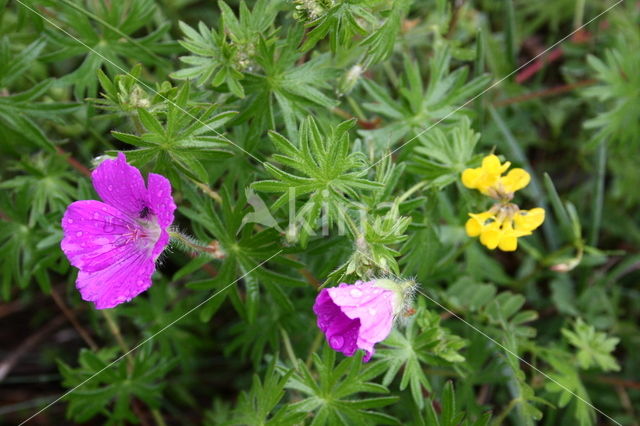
x,y
226,97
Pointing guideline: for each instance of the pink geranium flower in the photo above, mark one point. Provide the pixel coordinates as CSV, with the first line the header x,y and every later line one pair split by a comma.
x,y
358,316
115,243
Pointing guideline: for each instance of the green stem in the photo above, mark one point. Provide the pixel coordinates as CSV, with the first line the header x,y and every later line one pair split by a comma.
x,y
314,347
190,245
288,348
115,330
498,420
157,416
137,124
578,18
598,200
208,191
418,186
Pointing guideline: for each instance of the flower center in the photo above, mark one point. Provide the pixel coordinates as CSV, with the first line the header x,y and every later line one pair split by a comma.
x,y
145,233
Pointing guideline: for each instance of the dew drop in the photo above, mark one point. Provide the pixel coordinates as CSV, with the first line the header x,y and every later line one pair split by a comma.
x,y
355,292
336,342
79,234
96,215
110,187
108,227
69,220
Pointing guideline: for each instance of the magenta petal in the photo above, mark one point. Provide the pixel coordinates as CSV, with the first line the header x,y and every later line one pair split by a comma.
x,y
93,235
162,205
115,243
119,283
120,185
355,316
341,331
372,305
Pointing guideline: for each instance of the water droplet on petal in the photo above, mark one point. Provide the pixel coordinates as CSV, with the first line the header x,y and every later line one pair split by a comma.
x,y
108,227
79,234
110,187
355,292
336,342
96,215
69,220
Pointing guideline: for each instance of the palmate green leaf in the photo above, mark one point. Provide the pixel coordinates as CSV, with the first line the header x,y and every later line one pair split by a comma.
x,y
259,406
419,107
213,54
105,30
27,249
373,251
327,175
381,41
568,385
497,309
180,137
449,415
112,391
618,89
423,342
125,93
14,65
342,21
281,80
594,347
331,397
223,56
243,250
444,152
18,113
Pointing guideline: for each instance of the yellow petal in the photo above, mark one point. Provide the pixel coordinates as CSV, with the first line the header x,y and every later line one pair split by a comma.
x,y
490,238
470,177
508,243
528,220
473,227
514,180
491,164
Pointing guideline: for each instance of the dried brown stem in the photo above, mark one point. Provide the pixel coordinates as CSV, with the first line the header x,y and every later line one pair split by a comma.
x,y
71,316
7,364
553,91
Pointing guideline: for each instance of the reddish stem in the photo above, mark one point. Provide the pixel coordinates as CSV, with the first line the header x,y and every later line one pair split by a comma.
x,y
73,162
545,92
530,70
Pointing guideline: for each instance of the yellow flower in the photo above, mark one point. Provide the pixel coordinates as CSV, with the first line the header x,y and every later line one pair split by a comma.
x,y
488,178
485,176
501,226
528,220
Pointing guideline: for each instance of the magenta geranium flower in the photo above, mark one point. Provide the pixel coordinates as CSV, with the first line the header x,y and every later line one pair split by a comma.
x,y
115,243
358,316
